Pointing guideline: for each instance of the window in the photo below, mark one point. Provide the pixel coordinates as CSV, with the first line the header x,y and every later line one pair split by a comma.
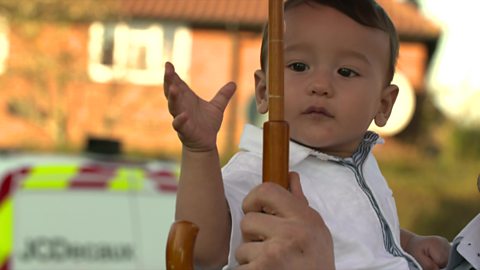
x,y
4,44
136,52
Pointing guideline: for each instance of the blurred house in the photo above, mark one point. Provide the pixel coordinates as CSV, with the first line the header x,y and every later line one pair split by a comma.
x,y
99,72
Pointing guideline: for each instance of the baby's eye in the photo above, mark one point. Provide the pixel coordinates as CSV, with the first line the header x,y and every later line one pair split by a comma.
x,y
346,72
298,67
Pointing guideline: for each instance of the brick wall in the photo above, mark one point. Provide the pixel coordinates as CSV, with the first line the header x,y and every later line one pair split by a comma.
x,y
48,102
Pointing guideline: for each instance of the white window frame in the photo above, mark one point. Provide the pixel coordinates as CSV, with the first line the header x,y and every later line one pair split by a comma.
x,y
4,44
152,38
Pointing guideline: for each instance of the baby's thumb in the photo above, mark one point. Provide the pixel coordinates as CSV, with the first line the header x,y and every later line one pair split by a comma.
x,y
296,186
223,96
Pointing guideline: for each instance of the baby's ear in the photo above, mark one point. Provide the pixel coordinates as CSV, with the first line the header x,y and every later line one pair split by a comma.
x,y
261,95
389,95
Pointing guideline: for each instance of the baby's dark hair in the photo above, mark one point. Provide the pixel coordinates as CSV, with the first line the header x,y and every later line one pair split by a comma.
x,y
364,12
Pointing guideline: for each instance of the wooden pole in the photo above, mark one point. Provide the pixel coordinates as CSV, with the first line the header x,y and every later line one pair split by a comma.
x,y
275,130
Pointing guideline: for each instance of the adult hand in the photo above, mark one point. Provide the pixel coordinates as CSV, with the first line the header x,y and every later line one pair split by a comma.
x,y
281,231
196,121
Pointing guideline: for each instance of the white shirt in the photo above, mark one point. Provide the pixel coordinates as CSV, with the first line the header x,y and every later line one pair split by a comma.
x,y
351,195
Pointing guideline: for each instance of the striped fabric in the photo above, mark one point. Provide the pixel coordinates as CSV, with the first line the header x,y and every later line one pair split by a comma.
x,y
356,166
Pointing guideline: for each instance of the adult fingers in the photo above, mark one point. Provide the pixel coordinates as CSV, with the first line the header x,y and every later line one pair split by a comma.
x,y
263,196
258,226
296,186
273,199
248,252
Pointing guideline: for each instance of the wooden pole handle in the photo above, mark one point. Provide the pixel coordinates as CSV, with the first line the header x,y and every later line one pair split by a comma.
x,y
180,245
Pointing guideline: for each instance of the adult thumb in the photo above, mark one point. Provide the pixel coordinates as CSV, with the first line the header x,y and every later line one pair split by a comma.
x,y
296,186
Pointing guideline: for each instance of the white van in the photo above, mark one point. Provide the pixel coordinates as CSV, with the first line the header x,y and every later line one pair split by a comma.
x,y
83,212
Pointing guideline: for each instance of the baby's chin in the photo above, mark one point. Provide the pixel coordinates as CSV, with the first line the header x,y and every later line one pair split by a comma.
x,y
310,144
315,138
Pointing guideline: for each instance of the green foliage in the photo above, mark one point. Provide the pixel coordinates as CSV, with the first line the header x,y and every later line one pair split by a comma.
x,y
436,194
466,142
433,198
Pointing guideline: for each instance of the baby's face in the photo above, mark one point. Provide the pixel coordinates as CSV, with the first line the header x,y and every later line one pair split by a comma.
x,y
335,74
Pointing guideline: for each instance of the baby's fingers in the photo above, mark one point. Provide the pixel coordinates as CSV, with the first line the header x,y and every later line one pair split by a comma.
x,y
167,78
427,263
171,79
174,100
179,122
223,96
440,254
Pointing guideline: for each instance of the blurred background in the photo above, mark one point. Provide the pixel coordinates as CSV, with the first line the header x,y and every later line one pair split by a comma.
x,y
71,71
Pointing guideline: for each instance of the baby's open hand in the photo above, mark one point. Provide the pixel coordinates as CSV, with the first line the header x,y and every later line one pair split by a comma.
x,y
196,121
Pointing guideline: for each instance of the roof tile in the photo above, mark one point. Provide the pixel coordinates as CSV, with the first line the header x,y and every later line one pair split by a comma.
x,y
407,18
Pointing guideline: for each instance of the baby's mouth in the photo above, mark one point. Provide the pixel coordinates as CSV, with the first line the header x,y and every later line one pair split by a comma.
x,y
314,110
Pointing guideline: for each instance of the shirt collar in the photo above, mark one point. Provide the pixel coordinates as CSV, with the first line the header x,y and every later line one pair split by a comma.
x,y
252,141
